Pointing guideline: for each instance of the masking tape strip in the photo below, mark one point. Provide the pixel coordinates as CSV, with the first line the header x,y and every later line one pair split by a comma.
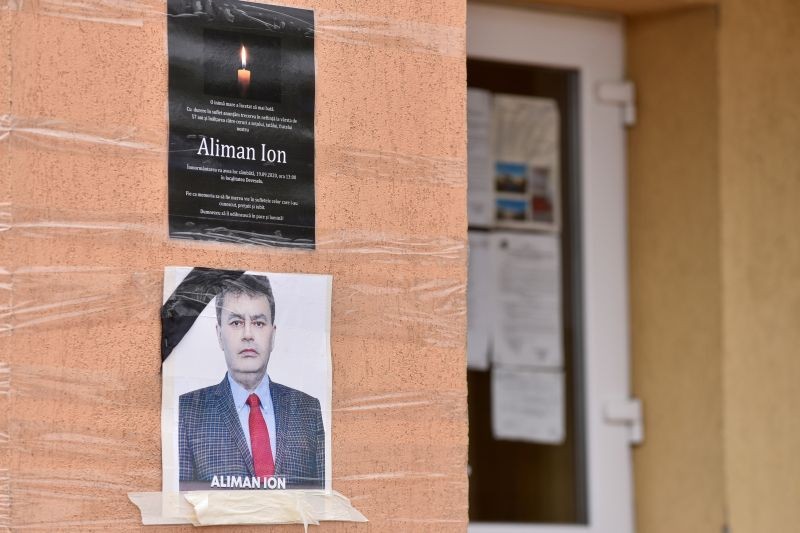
x,y
130,142
6,497
39,222
347,28
229,507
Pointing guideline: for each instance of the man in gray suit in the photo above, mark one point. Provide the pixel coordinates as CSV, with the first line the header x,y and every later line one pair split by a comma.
x,y
248,431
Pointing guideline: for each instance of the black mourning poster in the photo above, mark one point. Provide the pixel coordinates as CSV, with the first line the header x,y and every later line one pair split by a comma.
x,y
241,122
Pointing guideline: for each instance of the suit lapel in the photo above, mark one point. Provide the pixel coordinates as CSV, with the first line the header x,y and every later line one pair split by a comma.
x,y
227,412
279,409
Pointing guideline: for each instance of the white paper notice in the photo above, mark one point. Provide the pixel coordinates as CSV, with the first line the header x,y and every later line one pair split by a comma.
x,y
528,405
479,301
479,159
527,315
525,140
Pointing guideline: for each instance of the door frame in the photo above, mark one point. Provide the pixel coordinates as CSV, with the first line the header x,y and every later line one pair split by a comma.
x,y
593,46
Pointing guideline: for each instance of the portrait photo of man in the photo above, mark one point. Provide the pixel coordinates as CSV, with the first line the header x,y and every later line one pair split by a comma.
x,y
246,430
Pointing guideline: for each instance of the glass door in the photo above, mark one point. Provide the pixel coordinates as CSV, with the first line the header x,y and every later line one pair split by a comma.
x,y
548,279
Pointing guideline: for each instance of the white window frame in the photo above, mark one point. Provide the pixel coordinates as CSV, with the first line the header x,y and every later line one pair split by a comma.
x,y
594,46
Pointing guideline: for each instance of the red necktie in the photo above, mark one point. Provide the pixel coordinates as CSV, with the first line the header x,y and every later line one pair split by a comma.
x,y
263,463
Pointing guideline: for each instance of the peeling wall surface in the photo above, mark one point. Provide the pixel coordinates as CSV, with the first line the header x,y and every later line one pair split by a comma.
x,y
83,141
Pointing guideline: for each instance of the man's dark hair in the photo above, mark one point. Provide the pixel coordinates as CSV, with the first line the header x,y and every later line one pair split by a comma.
x,y
249,284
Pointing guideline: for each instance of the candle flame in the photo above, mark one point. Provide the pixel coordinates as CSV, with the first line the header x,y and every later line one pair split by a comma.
x,y
244,57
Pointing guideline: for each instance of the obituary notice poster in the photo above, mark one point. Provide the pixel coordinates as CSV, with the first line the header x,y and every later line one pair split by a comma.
x,y
241,123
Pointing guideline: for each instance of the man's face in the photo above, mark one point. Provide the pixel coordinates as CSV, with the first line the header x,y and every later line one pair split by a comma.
x,y
246,334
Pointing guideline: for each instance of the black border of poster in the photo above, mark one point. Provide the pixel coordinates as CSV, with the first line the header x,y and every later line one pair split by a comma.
x,y
241,123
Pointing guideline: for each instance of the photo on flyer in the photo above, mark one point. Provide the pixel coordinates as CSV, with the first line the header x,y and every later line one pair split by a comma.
x,y
246,398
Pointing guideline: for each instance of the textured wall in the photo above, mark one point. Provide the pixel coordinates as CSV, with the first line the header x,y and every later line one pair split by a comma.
x,y
84,257
675,271
760,169
716,263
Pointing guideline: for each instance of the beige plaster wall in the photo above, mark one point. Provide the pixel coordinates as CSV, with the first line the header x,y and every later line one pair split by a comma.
x,y
84,257
715,260
675,271
760,178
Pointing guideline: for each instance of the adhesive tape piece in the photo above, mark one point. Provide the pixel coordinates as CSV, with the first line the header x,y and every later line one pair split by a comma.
x,y
206,508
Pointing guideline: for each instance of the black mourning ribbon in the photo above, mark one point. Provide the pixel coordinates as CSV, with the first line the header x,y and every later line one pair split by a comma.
x,y
187,301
